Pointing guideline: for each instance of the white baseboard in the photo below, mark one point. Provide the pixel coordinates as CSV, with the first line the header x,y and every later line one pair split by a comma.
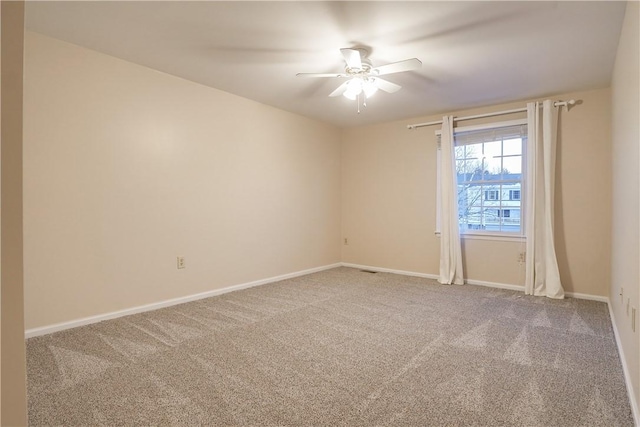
x,y
30,333
494,285
508,286
578,295
431,276
625,368
390,270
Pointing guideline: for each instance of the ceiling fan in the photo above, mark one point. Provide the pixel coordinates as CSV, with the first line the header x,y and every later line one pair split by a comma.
x,y
363,76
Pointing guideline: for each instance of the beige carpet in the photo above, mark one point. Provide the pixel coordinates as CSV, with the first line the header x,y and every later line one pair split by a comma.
x,y
340,347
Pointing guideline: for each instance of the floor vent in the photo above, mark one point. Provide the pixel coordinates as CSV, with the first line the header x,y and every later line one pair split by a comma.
x,y
368,271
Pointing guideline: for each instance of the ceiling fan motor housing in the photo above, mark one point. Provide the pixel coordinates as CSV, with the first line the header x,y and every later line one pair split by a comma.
x,y
365,70
366,66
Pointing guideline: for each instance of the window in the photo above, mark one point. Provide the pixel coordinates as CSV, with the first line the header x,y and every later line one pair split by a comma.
x,y
491,195
489,168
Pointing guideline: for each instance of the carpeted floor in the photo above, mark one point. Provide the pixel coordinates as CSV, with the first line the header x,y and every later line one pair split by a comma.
x,y
339,347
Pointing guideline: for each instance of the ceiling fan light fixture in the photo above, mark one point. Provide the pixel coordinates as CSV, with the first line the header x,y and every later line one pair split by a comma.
x,y
354,88
350,95
369,87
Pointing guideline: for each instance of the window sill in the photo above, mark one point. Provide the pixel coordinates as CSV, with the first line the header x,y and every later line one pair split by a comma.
x,y
491,236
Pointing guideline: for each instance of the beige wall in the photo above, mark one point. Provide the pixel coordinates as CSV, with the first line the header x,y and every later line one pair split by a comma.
x,y
625,254
388,199
127,168
13,394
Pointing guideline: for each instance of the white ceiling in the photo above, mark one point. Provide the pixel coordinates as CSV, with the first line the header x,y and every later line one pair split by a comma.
x,y
473,53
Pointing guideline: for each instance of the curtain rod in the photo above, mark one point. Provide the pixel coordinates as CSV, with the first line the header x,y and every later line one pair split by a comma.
x,y
497,113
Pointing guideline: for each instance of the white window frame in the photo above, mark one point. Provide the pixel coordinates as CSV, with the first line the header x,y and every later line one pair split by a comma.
x,y
480,234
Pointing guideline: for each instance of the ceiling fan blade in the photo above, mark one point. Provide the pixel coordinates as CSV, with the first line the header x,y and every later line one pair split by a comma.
x,y
340,90
321,75
386,86
398,67
352,58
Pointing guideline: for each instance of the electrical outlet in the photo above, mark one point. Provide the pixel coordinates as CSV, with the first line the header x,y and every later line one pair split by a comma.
x,y
346,241
181,263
